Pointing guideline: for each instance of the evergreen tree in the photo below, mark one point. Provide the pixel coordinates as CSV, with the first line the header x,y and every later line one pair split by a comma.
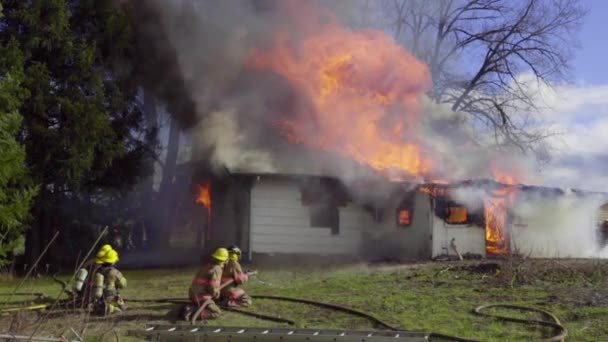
x,y
15,191
81,123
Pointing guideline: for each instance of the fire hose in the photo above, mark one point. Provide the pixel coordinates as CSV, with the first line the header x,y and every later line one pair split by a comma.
x,y
561,331
552,322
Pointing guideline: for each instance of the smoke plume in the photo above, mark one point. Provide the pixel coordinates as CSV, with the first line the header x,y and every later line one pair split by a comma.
x,y
236,74
246,114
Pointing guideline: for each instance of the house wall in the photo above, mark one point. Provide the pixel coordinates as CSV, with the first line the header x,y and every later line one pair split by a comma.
x,y
388,240
281,224
469,238
230,214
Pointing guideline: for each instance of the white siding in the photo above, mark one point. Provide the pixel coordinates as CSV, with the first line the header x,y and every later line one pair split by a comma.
x,y
281,224
469,239
388,240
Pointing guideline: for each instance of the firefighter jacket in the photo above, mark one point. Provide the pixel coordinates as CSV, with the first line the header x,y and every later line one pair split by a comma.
x,y
233,270
110,280
206,283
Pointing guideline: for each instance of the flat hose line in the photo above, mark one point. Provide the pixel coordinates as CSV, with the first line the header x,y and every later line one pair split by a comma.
x,y
260,316
555,324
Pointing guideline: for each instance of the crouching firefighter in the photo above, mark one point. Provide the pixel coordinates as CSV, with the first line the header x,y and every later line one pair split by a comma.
x,y
83,284
106,283
232,295
205,288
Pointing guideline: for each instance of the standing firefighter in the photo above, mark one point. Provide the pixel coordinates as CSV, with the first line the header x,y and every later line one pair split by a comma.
x,y
106,283
205,287
233,295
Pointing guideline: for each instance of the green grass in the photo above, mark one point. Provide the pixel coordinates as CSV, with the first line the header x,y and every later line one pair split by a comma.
x,y
430,297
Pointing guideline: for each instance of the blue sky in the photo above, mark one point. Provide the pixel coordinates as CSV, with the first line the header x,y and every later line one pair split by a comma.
x,y
590,66
579,111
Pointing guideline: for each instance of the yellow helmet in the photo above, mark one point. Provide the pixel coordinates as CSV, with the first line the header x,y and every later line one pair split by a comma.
x,y
100,256
109,257
112,257
220,254
105,248
234,252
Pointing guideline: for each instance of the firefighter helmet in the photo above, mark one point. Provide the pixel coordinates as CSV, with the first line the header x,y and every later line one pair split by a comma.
x,y
101,253
105,248
234,252
109,257
220,254
112,257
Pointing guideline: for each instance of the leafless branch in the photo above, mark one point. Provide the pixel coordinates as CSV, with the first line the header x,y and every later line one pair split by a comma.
x,y
478,50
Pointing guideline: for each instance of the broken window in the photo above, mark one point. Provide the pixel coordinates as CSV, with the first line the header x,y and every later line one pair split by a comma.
x,y
325,216
377,214
322,198
405,211
454,213
457,215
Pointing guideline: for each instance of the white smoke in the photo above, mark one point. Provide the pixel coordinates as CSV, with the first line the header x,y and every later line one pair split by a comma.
x,y
546,223
557,226
220,134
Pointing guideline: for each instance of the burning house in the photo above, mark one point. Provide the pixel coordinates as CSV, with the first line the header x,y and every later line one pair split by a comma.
x,y
322,139
291,213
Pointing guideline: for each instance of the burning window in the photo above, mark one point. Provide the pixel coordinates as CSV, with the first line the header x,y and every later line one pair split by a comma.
x,y
404,218
405,211
454,213
457,214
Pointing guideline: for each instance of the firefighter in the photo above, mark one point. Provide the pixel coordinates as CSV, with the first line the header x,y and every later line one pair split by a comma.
x,y
107,281
83,283
205,287
233,295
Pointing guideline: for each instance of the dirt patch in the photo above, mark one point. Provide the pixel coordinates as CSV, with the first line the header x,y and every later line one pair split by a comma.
x,y
484,268
591,297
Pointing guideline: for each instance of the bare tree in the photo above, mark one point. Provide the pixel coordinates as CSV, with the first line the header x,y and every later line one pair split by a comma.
x,y
479,50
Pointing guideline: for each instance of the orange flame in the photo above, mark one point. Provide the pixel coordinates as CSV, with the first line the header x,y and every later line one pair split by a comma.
x,y
404,217
363,91
496,212
362,94
434,190
204,198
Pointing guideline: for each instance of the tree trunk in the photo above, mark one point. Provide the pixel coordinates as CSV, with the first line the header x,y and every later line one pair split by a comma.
x,y
167,185
147,200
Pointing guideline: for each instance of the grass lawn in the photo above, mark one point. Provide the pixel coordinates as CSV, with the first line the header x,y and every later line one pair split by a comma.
x,y
425,296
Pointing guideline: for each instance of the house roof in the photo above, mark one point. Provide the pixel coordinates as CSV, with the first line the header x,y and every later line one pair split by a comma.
x,y
300,160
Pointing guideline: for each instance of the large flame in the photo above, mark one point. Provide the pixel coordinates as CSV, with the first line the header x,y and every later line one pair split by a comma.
x,y
496,209
364,93
496,212
496,215
204,198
